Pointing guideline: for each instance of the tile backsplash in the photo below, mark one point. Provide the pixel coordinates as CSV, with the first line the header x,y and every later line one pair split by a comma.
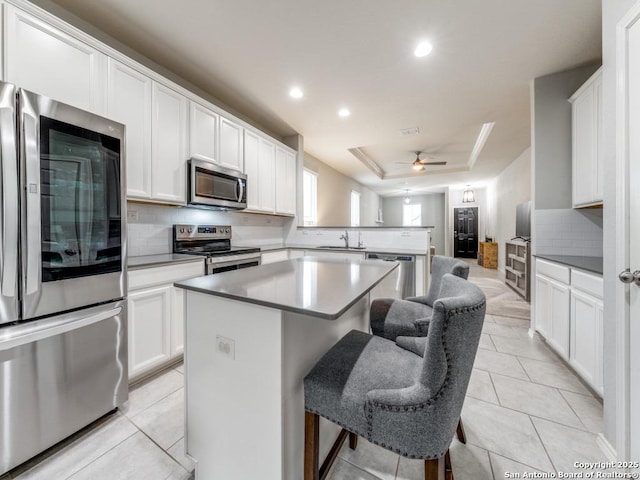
x,y
568,232
150,226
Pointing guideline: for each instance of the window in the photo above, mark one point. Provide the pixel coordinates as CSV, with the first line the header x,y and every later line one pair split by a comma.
x,y
412,215
355,208
310,192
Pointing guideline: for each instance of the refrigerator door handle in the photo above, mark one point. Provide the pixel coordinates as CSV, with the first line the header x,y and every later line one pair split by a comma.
x,y
32,195
9,200
22,336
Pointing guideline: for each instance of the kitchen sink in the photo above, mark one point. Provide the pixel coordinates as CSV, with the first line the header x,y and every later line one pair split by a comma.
x,y
341,248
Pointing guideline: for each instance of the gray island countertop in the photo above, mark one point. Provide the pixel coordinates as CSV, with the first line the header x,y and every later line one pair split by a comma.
x,y
324,288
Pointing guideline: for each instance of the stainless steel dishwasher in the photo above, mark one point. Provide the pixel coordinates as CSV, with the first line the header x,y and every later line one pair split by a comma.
x,y
405,285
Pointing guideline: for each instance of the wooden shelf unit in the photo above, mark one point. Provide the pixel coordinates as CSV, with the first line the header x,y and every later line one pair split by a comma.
x,y
517,270
488,254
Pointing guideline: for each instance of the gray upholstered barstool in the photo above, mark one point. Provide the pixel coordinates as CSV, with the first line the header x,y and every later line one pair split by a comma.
x,y
392,317
407,403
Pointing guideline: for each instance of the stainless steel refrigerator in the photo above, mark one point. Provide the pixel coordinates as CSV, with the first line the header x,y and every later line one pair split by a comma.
x,y
63,319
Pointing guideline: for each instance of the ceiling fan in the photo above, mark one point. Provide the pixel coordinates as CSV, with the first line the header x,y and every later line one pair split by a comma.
x,y
419,164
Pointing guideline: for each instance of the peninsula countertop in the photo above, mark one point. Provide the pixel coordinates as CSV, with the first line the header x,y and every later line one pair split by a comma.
x,y
336,248
324,288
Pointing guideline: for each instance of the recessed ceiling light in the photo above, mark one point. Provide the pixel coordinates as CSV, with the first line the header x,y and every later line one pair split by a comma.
x,y
344,112
295,92
423,49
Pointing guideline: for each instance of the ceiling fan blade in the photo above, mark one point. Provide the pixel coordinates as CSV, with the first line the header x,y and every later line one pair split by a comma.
x,y
434,163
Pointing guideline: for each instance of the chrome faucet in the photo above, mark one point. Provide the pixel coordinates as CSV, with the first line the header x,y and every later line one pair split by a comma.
x,y
345,237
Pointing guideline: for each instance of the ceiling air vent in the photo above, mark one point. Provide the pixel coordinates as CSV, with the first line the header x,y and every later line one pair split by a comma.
x,y
410,132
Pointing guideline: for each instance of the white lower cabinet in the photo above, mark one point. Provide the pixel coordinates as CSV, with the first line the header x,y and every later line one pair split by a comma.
x,y
586,333
149,329
156,312
570,317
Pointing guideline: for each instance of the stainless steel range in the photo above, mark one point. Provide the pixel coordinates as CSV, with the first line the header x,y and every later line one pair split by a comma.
x,y
214,243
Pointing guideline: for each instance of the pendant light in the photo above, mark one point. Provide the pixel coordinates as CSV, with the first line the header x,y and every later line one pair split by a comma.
x,y
406,198
468,196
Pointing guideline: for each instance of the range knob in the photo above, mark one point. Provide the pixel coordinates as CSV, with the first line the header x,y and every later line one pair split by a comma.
x,y
191,230
182,230
227,230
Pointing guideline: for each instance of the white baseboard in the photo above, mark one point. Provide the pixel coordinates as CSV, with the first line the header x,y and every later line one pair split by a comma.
x,y
606,448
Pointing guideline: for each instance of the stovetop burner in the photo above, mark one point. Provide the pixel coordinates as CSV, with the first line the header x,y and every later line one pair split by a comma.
x,y
206,240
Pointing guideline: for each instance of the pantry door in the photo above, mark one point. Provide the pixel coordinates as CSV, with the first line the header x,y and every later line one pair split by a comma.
x,y
628,230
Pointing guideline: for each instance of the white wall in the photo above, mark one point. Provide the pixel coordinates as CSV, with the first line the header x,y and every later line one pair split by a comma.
x,y
334,196
433,211
151,233
511,187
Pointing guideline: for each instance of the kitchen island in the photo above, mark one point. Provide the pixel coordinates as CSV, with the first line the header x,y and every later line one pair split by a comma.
x,y
251,337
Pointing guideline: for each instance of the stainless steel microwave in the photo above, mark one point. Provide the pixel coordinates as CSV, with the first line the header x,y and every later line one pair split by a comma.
x,y
216,187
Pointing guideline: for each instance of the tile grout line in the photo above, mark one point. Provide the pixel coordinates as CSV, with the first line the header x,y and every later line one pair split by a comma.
x,y
525,370
543,444
495,390
104,453
576,413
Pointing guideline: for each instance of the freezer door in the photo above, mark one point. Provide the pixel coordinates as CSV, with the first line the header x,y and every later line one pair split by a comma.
x,y
9,211
73,230
58,375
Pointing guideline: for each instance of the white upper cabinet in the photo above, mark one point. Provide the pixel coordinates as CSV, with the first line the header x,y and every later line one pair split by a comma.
x,y
169,126
129,102
285,182
267,175
50,62
231,140
259,165
587,143
251,165
203,133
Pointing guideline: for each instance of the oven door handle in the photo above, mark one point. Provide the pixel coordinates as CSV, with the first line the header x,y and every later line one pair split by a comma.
x,y
240,190
229,263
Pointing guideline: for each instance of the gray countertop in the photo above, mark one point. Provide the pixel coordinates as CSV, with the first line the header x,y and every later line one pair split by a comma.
x,y
146,261
590,264
393,250
323,288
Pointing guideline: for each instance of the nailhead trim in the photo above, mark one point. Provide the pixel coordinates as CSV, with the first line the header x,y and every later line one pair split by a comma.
x,y
430,401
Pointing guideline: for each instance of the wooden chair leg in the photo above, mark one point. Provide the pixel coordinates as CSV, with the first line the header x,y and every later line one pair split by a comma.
x,y
448,469
460,432
311,446
353,441
434,469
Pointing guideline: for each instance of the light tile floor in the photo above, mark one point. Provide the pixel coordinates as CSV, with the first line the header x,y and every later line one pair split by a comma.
x,y
525,411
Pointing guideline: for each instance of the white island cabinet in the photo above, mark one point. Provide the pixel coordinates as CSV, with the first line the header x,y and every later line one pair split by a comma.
x,y
251,337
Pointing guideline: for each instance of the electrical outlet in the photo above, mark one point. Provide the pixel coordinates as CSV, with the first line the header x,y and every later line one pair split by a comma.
x,y
304,232
226,347
132,215
405,234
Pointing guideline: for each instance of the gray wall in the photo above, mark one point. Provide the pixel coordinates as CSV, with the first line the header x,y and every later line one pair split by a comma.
x,y
432,214
511,187
551,135
334,196
612,12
